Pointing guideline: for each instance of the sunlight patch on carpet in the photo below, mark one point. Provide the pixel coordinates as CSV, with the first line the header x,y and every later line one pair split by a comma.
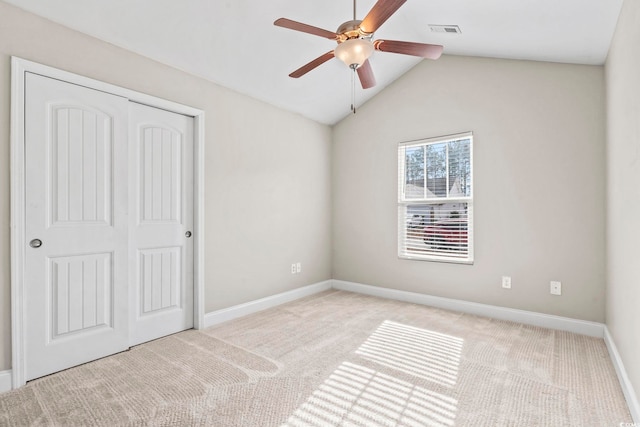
x,y
357,395
419,352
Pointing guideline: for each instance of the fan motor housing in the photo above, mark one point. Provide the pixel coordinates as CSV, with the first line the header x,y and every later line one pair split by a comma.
x,y
351,30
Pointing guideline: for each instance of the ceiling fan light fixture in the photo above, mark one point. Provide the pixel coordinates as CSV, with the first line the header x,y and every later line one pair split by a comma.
x,y
354,52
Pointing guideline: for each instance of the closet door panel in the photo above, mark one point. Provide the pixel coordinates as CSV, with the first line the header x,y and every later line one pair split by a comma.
x,y
76,263
161,154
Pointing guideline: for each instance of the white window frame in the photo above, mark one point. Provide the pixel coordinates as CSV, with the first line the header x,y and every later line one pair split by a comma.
x,y
403,201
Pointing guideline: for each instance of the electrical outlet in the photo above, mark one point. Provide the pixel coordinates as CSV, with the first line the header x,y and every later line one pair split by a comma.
x,y
293,269
298,267
506,282
555,288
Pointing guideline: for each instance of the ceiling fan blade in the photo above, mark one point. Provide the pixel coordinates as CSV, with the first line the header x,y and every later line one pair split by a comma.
x,y
430,51
379,13
365,73
311,65
310,29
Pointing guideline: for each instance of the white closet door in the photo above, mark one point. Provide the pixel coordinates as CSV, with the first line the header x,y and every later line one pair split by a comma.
x,y
75,282
161,221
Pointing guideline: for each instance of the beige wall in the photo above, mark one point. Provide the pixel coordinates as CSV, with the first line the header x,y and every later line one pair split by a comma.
x,y
258,219
539,172
623,172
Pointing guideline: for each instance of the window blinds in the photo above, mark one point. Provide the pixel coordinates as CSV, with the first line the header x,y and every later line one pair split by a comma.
x,y
435,199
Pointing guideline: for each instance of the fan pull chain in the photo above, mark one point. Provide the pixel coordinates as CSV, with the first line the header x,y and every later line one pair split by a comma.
x,y
353,90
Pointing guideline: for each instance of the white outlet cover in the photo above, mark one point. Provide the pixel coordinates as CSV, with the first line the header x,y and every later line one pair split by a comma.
x,y
298,267
506,282
555,288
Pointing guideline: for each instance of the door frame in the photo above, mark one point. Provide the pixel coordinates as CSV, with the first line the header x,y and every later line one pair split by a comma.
x,y
21,66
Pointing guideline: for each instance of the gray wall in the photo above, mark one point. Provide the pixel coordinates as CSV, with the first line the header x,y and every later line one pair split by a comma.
x,y
258,220
623,173
539,176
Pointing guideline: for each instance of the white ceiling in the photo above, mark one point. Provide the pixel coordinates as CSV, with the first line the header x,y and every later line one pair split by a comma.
x,y
234,42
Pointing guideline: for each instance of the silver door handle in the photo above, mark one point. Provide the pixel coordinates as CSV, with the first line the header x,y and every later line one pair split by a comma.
x,y
35,243
188,234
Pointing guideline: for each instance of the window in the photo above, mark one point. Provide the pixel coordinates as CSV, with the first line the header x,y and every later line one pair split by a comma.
x,y
435,199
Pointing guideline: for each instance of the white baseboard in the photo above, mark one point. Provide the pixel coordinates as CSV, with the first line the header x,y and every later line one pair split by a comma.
x,y
219,316
625,383
5,381
583,327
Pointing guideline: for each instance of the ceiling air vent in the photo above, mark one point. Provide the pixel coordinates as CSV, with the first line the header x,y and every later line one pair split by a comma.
x,y
453,29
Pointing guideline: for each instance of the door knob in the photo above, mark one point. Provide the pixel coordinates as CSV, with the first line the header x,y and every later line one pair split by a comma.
x,y
188,234
35,243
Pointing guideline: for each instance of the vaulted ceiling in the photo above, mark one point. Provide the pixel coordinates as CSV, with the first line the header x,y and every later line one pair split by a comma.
x,y
235,44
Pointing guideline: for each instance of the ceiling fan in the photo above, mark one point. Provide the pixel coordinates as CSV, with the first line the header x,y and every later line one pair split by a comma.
x,y
356,44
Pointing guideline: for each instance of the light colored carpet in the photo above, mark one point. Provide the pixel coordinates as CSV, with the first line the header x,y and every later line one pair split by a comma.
x,y
338,359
